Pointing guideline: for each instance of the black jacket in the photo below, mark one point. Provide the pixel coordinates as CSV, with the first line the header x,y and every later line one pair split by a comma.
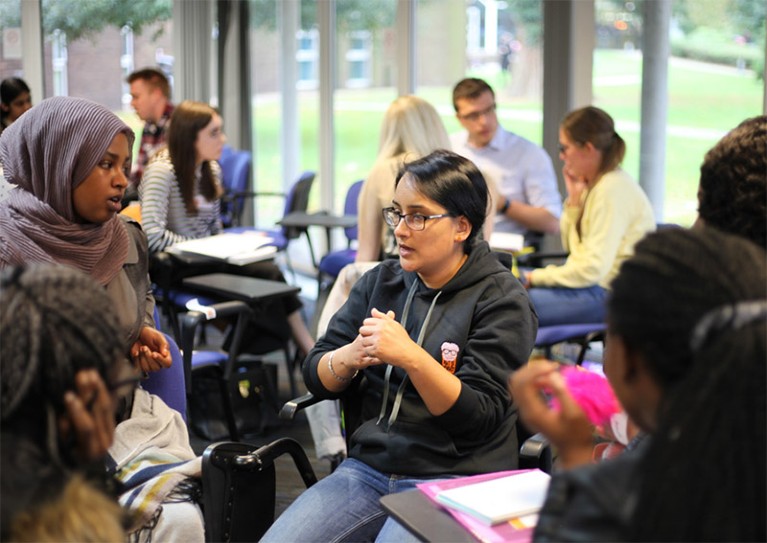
x,y
485,311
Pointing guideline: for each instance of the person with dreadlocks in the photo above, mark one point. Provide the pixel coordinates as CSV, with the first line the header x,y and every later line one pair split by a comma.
x,y
686,350
69,181
58,400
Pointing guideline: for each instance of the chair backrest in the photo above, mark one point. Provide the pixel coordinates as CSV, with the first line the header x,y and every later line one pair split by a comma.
x,y
235,175
170,383
350,207
298,200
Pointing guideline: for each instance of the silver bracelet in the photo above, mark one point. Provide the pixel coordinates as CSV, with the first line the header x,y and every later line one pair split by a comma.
x,y
333,372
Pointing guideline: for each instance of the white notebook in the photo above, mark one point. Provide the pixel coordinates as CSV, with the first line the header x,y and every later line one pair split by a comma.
x,y
235,248
498,500
506,241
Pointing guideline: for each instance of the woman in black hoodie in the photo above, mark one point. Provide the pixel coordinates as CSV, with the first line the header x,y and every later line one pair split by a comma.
x,y
434,335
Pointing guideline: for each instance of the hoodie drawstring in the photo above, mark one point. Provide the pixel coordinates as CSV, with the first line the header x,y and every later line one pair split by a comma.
x,y
419,342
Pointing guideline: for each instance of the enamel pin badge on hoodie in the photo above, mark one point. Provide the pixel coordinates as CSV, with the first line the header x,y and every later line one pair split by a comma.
x,y
449,356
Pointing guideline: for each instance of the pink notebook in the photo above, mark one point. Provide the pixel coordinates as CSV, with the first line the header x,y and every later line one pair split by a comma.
x,y
517,530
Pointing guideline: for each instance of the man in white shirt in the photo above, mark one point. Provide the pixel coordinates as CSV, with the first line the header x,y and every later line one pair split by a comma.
x,y
529,202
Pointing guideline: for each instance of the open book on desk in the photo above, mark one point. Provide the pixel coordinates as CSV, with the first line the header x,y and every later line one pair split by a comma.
x,y
234,248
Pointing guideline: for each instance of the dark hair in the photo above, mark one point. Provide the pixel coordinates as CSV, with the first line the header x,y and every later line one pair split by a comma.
x,y
470,88
153,77
733,182
10,89
593,125
705,464
54,321
186,122
453,182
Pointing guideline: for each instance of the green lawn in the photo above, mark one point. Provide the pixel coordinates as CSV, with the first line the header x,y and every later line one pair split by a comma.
x,y
704,102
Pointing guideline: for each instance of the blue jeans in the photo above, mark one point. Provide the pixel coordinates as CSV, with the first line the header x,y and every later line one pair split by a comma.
x,y
344,506
568,305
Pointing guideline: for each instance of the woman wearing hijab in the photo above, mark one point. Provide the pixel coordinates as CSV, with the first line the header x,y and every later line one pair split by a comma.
x,y
65,209
69,159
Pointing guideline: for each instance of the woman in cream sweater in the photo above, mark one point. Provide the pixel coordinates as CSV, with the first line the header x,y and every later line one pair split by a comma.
x,y
605,214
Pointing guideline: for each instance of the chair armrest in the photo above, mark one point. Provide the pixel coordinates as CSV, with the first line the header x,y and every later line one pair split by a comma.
x,y
188,328
536,259
292,407
536,452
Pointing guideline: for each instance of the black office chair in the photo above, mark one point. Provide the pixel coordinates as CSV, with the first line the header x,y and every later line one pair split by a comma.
x,y
239,388
332,263
235,177
239,487
535,450
296,200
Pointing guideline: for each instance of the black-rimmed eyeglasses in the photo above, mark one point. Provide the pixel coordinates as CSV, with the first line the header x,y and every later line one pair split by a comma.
x,y
414,221
475,115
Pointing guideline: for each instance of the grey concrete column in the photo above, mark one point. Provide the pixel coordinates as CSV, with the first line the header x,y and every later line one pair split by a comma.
x,y
406,44
290,130
234,72
568,50
326,19
32,48
655,53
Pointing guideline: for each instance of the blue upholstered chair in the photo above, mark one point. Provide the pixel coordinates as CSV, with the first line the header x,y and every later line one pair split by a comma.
x,y
332,263
235,174
580,334
169,383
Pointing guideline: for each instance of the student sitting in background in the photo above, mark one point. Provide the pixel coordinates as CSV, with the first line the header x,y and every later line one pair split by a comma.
x,y
605,214
685,355
411,128
180,200
62,368
732,195
15,99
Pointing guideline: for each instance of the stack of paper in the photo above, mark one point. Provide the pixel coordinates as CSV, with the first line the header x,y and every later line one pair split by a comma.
x,y
234,248
505,241
501,499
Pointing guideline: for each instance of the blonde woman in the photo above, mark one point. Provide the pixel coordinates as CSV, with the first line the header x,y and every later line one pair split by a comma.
x,y
411,128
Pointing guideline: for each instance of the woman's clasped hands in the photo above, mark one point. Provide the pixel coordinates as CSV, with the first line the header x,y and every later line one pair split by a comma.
x,y
150,352
383,339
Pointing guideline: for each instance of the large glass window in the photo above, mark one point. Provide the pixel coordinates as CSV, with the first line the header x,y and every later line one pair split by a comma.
x,y
496,41
88,54
717,53
367,71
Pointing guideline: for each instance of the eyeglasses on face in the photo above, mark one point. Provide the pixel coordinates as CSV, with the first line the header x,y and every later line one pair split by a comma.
x,y
414,221
564,148
475,115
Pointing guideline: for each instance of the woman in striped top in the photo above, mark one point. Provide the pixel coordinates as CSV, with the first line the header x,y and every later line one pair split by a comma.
x,y
180,200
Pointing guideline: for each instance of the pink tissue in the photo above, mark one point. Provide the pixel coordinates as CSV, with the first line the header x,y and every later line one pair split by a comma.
x,y
592,392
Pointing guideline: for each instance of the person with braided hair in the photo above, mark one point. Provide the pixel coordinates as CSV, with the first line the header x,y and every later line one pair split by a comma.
x,y
58,401
686,351
732,195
